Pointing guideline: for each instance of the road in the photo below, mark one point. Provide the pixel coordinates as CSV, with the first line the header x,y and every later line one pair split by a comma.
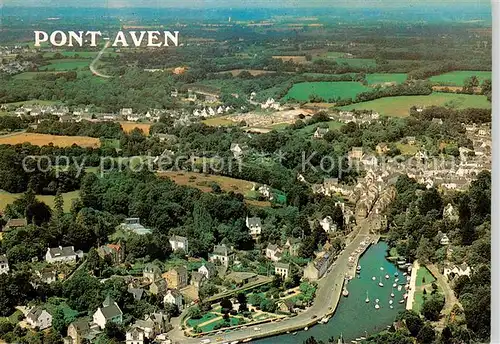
x,y
92,64
327,296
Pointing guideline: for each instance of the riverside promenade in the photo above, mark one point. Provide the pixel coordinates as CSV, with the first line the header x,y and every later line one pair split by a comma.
x,y
326,300
413,285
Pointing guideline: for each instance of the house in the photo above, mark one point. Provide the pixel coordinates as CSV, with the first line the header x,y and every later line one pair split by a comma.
x,y
421,156
62,255
173,297
47,275
356,153
449,212
265,191
133,225
197,279
4,264
126,112
382,148
317,268
137,293
286,306
292,245
410,140
208,269
255,226
15,224
273,252
282,269
109,312
158,287
39,318
77,331
320,132
437,121
116,252
451,271
328,225
178,243
221,255
444,240
154,324
237,150
176,278
134,336
151,272
369,160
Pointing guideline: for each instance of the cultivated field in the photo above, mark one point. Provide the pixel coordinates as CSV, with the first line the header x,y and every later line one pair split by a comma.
x,y
129,126
45,139
326,90
357,62
203,182
380,78
293,58
8,198
400,106
66,64
457,78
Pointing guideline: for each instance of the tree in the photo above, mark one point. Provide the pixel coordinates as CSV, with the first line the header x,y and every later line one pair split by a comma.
x,y
194,312
268,306
470,83
58,322
242,300
226,305
431,308
412,320
426,334
114,331
424,250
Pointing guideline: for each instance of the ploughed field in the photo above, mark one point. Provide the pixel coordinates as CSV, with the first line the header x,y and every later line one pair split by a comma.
x,y
45,139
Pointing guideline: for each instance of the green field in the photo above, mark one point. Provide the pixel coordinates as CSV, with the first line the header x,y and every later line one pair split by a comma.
x,y
457,78
66,64
310,129
357,62
326,90
380,78
400,106
8,198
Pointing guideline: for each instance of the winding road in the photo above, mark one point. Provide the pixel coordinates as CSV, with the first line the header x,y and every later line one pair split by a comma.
x,y
327,296
93,63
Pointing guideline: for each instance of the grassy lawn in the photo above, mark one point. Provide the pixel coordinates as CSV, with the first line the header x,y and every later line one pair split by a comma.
x,y
357,62
424,273
66,64
407,149
380,78
8,198
13,318
206,317
210,327
457,78
326,90
400,106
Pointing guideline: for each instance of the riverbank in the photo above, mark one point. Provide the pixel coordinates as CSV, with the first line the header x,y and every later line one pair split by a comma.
x,y
413,285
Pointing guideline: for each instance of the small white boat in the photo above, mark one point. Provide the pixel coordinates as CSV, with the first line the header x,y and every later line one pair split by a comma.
x,y
306,328
367,299
345,292
325,320
381,268
400,287
374,278
387,276
380,284
401,301
377,300
396,280
295,333
390,302
404,274
391,307
362,338
394,285
405,295
396,274
392,294
247,340
359,267
377,306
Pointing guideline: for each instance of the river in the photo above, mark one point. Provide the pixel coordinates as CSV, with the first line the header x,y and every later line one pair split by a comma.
x,y
354,317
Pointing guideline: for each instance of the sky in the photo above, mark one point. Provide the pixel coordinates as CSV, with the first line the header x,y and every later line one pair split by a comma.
x,y
235,3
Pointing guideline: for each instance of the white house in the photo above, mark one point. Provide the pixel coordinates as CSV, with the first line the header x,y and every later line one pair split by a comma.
x,y
273,252
134,336
173,297
255,226
444,240
62,254
4,264
327,224
208,269
109,312
265,191
178,243
221,254
461,270
282,269
40,318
